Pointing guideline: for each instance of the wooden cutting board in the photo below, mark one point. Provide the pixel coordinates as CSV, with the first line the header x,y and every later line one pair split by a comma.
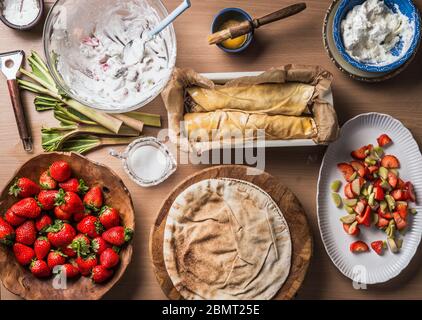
x,y
286,200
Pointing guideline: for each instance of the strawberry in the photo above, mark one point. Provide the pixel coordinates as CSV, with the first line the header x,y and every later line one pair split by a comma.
x,y
379,193
7,234
118,236
401,208
385,215
398,195
358,247
365,219
101,274
98,245
93,199
74,185
43,222
348,191
109,217
392,179
42,247
85,265
359,168
70,270
382,222
400,222
410,191
361,153
390,162
26,233
47,182
90,226
55,258
24,188
60,171
60,234
378,247
79,216
69,252
62,215
47,199
27,208
13,219
69,202
352,230
81,245
40,269
109,258
384,140
346,170
23,253
401,184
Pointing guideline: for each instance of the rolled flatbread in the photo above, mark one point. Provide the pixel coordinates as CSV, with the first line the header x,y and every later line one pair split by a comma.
x,y
226,239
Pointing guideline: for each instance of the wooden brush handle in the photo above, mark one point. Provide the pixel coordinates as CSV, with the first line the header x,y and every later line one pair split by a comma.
x,y
242,28
280,14
24,133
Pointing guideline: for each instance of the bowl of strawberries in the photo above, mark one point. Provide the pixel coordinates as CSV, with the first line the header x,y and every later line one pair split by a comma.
x,y
66,225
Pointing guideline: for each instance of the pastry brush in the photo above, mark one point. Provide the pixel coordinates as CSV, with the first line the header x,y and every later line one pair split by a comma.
x,y
246,27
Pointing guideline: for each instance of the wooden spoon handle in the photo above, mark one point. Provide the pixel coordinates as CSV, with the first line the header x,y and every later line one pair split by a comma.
x,y
280,14
24,133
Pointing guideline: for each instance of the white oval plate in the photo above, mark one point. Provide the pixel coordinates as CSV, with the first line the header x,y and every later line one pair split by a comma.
x,y
368,267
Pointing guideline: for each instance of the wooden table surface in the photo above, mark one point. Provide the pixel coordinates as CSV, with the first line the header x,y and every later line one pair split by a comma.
x,y
296,40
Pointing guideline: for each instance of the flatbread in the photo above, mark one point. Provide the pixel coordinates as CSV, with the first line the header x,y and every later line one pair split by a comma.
x,y
226,239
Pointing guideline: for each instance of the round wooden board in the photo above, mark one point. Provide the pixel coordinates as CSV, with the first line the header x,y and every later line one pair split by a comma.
x,y
286,200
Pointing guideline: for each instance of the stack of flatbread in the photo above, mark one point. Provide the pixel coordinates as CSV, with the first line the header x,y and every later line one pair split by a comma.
x,y
226,239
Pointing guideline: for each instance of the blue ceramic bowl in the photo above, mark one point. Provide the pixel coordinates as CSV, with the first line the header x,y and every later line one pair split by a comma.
x,y
231,14
405,6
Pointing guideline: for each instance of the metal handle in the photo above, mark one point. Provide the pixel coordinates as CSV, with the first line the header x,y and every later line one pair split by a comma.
x,y
24,132
170,18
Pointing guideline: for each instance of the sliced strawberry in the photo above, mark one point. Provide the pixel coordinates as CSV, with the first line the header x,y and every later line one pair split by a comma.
x,y
365,219
347,171
390,162
392,179
385,215
400,222
373,169
351,229
359,168
379,193
398,195
400,184
361,153
410,191
382,222
378,183
384,140
378,247
348,191
360,207
358,247
401,208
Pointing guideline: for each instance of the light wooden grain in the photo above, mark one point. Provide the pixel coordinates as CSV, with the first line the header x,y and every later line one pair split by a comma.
x,y
294,40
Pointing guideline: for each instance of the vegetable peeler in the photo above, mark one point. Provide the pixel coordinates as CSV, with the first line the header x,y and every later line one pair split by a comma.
x,y
10,63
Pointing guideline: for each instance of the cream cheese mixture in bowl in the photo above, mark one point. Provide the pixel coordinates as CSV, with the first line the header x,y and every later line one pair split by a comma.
x,y
99,52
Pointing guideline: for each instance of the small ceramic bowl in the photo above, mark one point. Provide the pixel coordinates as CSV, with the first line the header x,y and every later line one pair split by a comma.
x,y
23,27
231,14
405,6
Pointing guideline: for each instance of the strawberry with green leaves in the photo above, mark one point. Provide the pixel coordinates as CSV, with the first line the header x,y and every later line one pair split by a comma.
x,y
90,226
93,199
7,234
40,269
42,247
74,185
98,245
56,258
69,202
47,182
60,234
24,188
69,251
118,236
85,264
81,245
109,217
43,222
13,219
60,171
47,199
101,274
27,208
109,258
23,253
26,233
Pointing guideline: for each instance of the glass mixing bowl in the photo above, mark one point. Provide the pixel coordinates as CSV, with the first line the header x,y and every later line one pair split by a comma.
x,y
70,22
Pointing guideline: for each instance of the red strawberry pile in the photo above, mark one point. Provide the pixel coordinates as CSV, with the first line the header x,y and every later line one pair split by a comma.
x,y
62,222
375,195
